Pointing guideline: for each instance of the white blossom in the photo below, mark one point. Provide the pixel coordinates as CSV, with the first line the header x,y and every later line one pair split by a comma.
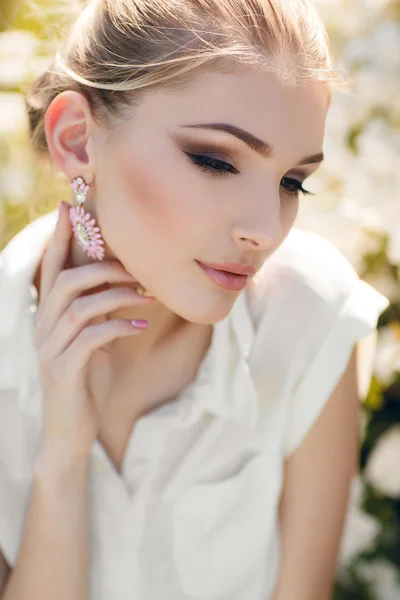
x,y
360,528
16,183
358,188
382,470
387,357
17,51
383,577
12,114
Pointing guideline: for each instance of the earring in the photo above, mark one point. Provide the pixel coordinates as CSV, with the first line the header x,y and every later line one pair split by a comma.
x,y
84,226
85,229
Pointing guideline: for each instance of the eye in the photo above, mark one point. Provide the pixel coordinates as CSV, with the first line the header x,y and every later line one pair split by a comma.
x,y
293,187
219,168
216,168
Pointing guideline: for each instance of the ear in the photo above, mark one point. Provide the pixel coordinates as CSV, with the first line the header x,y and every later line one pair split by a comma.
x,y
68,126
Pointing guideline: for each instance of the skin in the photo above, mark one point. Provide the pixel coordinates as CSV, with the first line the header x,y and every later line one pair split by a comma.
x,y
315,494
158,211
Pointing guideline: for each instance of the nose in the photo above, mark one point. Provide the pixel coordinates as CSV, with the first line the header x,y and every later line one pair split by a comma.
x,y
261,230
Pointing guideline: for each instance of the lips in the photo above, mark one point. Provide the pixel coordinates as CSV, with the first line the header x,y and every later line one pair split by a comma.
x,y
235,268
226,280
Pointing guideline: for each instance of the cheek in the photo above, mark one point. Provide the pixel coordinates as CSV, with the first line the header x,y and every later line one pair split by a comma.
x,y
289,214
147,195
158,206
144,209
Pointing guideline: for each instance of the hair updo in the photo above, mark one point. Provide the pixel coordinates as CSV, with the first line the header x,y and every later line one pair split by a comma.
x,y
118,50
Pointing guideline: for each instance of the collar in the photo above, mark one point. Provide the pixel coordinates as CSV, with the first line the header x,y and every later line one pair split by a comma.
x,y
223,386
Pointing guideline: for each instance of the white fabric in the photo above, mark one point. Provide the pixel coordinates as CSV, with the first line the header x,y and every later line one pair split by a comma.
x,y
194,512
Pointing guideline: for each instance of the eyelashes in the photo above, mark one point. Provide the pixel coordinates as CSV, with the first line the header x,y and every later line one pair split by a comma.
x,y
293,186
219,168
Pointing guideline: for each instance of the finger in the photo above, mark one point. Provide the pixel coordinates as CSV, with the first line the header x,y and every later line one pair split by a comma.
x,y
57,253
91,338
72,283
83,310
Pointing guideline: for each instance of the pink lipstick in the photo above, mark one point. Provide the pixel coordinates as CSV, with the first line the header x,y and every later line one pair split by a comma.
x,y
225,279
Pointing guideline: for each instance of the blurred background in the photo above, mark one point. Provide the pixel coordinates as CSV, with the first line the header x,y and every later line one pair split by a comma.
x,y
357,207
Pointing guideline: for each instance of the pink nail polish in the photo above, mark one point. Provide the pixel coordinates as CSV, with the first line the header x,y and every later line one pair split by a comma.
x,y
139,324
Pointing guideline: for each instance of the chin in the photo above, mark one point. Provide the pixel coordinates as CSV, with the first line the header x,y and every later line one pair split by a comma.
x,y
207,312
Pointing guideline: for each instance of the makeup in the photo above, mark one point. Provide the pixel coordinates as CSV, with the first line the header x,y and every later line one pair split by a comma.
x,y
228,281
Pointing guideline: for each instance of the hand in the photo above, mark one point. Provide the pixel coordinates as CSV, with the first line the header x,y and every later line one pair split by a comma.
x,y
67,344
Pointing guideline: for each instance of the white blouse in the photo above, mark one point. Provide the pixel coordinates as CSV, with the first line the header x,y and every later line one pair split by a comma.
x,y
194,512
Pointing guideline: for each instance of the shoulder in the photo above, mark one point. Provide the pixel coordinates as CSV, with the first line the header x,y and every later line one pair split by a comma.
x,y
309,307
306,270
18,262
307,297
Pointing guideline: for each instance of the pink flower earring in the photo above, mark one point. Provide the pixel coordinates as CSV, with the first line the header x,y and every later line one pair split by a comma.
x,y
83,225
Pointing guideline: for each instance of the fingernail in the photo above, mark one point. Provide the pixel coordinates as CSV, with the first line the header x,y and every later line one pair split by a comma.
x,y
139,324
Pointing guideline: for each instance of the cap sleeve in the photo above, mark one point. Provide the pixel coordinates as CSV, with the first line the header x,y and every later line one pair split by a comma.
x,y
354,322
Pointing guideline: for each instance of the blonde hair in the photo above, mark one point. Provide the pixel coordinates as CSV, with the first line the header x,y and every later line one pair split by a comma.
x,y
116,51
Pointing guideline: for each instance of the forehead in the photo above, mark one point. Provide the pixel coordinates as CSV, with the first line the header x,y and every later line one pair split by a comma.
x,y
255,100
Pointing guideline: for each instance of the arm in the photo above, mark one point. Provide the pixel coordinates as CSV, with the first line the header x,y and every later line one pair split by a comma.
x,y
53,561
315,495
4,572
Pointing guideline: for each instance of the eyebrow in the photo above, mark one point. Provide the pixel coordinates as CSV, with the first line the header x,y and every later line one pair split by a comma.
x,y
262,148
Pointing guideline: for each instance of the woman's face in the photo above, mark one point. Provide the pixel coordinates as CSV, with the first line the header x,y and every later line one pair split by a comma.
x,y
169,193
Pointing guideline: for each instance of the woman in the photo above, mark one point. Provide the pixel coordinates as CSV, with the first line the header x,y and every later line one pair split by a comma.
x,y
179,364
